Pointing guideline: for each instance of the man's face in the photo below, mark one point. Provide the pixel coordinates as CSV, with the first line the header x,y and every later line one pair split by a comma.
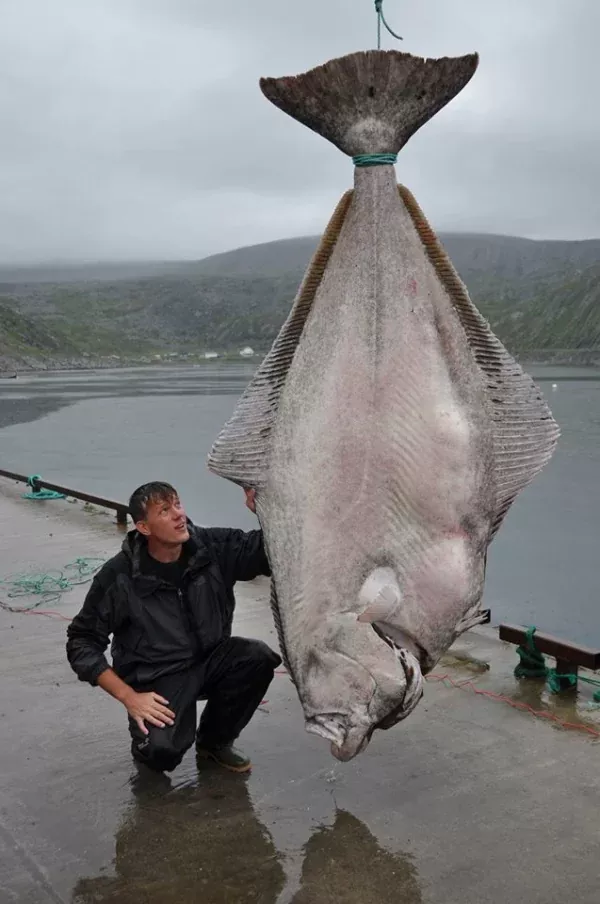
x,y
165,522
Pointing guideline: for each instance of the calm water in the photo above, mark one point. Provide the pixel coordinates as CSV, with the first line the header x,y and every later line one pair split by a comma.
x,y
108,432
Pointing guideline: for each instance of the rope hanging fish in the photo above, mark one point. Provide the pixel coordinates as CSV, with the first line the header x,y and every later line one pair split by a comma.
x,y
378,159
381,19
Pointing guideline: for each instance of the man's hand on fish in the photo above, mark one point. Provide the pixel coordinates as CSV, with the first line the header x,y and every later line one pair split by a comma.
x,y
250,499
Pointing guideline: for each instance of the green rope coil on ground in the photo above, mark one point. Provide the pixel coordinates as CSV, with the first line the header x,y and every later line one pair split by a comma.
x,y
38,492
48,586
374,159
532,664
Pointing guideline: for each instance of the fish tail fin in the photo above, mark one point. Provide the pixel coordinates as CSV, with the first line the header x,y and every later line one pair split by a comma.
x,y
371,102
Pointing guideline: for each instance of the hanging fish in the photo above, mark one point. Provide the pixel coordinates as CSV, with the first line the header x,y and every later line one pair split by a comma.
x,y
388,431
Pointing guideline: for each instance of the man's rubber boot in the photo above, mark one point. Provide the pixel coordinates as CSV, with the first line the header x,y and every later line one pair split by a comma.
x,y
227,757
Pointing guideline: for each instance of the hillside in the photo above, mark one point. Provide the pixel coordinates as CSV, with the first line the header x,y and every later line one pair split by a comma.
x,y
23,343
542,298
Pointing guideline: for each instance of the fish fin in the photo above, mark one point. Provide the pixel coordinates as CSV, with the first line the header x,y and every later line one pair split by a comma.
x,y
380,594
279,628
525,432
239,452
371,102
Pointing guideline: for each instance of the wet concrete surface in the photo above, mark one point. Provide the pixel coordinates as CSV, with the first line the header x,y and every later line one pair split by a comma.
x,y
468,801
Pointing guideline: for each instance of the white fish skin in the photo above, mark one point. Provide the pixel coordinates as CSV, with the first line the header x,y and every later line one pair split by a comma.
x,y
381,456
386,433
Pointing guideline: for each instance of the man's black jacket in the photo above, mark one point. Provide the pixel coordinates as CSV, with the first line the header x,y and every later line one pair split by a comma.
x,y
158,629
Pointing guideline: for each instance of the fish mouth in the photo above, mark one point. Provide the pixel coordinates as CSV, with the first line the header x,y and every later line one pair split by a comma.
x,y
414,686
347,735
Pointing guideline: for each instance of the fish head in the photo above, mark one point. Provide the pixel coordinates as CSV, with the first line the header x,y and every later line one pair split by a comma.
x,y
359,682
373,655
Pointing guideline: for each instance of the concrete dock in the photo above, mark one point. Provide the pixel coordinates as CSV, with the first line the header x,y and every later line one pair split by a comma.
x,y
469,801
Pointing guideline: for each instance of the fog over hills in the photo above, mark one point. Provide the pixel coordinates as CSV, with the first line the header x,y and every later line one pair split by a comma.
x,y
541,297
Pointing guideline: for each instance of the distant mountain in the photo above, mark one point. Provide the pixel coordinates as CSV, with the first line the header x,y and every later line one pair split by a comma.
x,y
100,271
495,255
541,297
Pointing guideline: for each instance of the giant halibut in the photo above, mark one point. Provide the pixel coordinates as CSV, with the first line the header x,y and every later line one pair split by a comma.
x,y
388,431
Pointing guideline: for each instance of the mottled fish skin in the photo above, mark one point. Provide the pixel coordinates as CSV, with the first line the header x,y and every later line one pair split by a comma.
x,y
387,434
381,456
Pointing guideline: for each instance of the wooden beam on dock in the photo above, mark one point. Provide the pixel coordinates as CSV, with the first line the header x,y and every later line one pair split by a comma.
x,y
120,508
565,653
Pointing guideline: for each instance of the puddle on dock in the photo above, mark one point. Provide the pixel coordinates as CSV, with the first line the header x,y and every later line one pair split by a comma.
x,y
202,840
489,667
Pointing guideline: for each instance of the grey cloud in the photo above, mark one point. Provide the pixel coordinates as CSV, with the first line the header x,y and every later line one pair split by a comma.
x,y
136,128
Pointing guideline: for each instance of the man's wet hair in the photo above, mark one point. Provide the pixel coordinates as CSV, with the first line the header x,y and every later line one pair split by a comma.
x,y
155,491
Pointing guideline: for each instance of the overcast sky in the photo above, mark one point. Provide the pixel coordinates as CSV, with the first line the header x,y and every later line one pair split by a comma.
x,y
136,128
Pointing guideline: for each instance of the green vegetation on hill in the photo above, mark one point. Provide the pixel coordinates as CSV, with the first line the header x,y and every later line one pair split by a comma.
x,y
24,342
541,298
560,314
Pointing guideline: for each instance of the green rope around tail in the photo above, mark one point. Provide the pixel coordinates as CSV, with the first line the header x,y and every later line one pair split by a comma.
x,y
532,664
38,492
374,159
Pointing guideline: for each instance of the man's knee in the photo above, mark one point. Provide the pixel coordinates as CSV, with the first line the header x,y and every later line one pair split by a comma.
x,y
156,752
256,655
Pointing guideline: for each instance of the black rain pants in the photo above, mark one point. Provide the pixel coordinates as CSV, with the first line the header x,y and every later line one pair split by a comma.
x,y
233,680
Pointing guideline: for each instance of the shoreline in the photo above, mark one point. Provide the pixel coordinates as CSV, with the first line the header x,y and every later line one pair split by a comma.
x,y
11,373
585,359
10,378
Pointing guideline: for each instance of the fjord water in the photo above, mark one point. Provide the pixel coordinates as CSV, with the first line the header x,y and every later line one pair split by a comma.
x,y
109,431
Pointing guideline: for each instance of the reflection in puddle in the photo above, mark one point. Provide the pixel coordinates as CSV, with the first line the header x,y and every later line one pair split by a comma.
x,y
196,843
344,863
204,843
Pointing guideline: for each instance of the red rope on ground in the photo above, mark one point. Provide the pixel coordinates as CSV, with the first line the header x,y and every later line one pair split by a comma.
x,y
516,704
49,613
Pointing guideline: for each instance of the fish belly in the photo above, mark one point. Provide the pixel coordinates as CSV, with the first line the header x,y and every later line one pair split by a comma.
x,y
381,454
